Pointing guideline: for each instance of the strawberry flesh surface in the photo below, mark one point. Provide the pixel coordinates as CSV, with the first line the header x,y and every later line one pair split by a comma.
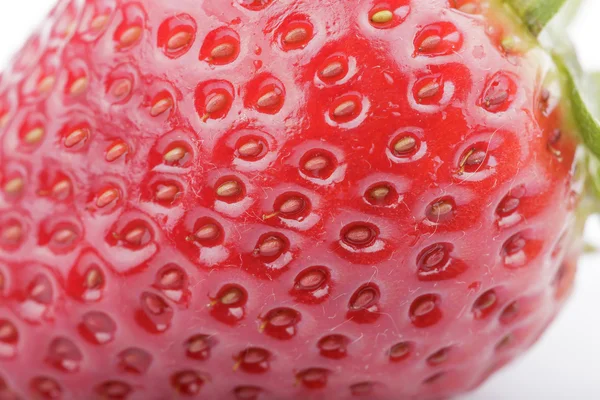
x,y
268,199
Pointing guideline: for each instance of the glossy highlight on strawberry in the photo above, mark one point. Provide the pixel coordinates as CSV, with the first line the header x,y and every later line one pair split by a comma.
x,y
268,199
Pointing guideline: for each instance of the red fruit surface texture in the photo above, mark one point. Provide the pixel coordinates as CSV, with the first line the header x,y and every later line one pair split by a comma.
x,y
276,199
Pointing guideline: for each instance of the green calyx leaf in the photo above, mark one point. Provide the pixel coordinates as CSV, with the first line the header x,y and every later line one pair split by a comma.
x,y
536,13
581,108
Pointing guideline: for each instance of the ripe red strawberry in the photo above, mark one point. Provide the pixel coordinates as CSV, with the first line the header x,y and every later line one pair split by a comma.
x,y
277,199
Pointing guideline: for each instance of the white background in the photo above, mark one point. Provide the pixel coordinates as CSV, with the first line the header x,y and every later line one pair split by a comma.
x,y
566,363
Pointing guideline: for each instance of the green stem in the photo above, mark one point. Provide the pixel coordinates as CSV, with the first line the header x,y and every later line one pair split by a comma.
x,y
587,124
536,13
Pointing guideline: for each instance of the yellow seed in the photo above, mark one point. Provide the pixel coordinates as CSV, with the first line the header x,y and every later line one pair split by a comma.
x,y
380,192
291,205
222,51
332,70
107,197
197,344
316,163
269,99
37,289
14,186
430,42
161,106
130,36
7,330
94,279
216,103
171,278
34,136
61,189
429,90
424,308
228,189
70,28
441,208
99,22
232,296
12,233
382,17
175,155
46,84
76,137
207,232
64,236
270,247
359,234
296,35
405,145
250,149
116,151
179,40
167,193
79,86
135,236
345,109
121,88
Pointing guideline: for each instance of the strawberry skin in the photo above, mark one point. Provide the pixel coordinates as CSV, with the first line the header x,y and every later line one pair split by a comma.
x,y
276,199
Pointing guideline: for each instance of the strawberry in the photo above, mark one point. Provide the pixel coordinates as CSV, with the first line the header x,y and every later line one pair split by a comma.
x,y
276,199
